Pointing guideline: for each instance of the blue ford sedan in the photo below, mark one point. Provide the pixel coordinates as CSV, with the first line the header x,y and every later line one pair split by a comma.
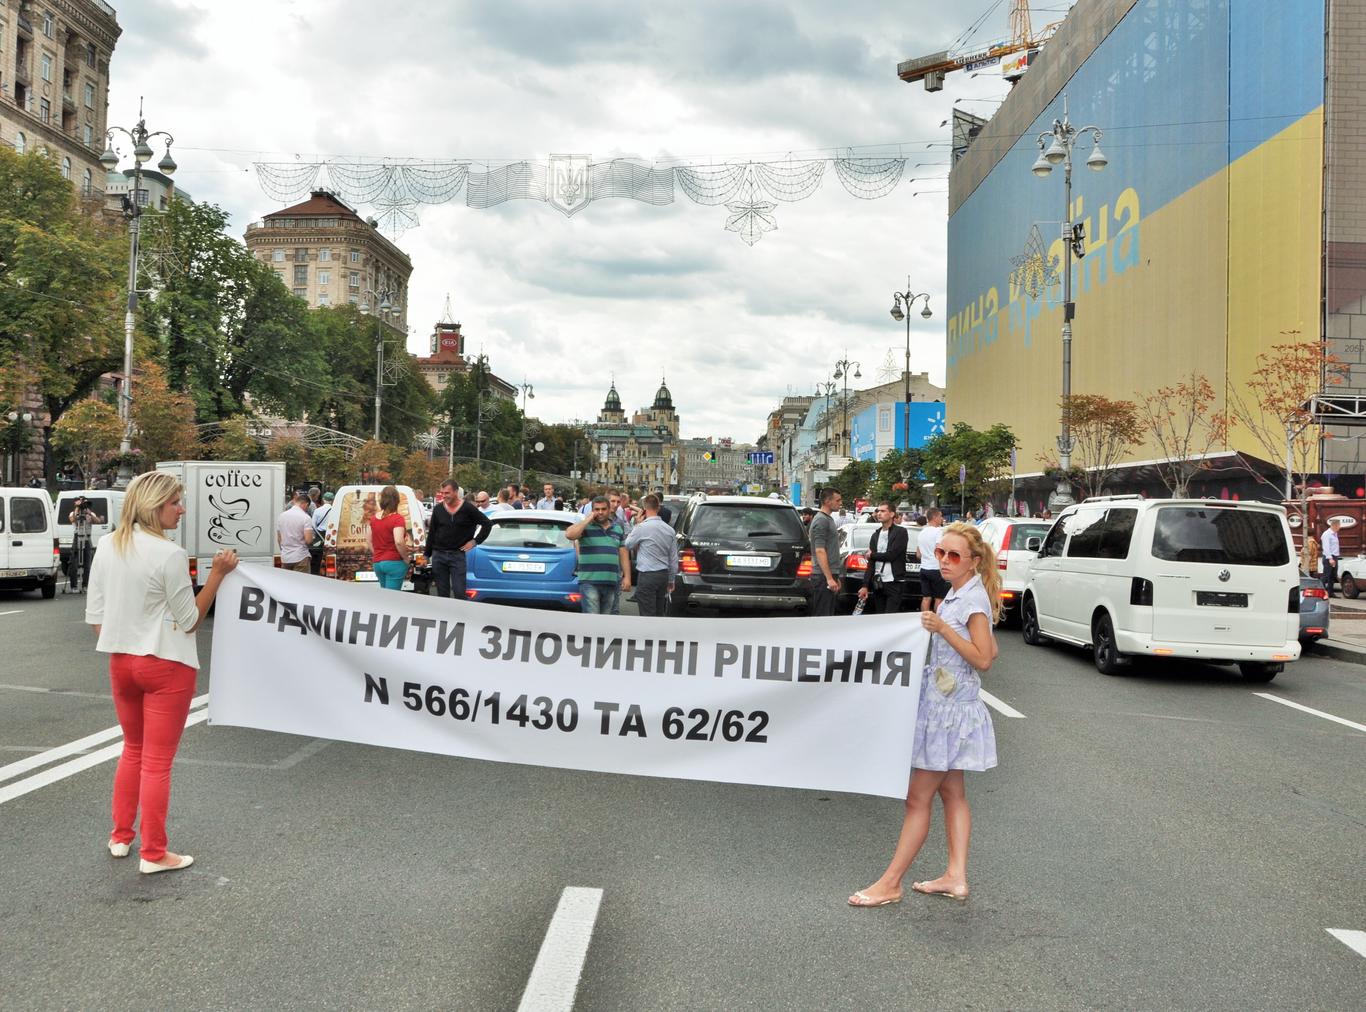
x,y
526,559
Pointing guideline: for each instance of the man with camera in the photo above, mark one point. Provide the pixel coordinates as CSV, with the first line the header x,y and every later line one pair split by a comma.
x,y
82,517
886,563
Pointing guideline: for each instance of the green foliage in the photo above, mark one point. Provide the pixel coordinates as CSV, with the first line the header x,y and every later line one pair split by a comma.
x,y
163,418
234,442
296,458
87,432
331,466
853,481
985,455
896,468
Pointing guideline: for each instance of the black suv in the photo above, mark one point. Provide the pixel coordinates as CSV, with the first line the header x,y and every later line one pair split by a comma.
x,y
741,552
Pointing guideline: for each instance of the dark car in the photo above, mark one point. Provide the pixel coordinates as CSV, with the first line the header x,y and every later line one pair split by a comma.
x,y
741,552
1313,609
855,540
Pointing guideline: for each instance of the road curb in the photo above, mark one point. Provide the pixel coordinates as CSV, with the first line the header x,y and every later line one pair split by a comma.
x,y
1338,650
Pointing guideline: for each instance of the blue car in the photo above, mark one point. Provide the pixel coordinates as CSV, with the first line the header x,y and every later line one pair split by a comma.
x,y
526,559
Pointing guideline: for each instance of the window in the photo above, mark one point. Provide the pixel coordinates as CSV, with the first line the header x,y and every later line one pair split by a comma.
x,y
353,299
324,255
327,222
66,168
27,516
278,255
1102,533
747,523
46,66
518,533
1221,535
89,95
1057,537
301,254
884,420
324,277
301,293
354,281
89,135
45,110
324,299
87,184
20,142
300,274
90,55
47,23
355,256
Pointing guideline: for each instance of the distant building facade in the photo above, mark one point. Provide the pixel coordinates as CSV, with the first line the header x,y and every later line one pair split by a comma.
x,y
720,465
448,359
639,455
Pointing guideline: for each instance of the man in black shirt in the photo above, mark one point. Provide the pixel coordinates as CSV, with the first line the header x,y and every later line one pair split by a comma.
x,y
456,527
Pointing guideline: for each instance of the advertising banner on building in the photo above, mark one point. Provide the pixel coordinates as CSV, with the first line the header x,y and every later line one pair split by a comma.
x,y
820,703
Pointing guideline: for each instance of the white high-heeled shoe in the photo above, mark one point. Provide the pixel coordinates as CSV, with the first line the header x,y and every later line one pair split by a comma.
x,y
151,867
119,849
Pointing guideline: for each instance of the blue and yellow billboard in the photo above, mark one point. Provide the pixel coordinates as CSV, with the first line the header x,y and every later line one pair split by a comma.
x,y
1203,234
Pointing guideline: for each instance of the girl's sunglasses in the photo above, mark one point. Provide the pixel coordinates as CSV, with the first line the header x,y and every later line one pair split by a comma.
x,y
952,557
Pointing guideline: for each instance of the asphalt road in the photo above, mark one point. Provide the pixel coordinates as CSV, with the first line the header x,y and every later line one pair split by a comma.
x,y
1167,839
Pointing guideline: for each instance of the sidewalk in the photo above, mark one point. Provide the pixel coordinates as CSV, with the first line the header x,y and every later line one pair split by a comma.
x,y
1346,639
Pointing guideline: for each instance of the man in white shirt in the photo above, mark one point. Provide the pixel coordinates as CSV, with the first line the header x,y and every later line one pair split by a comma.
x,y
547,500
294,533
933,587
1332,551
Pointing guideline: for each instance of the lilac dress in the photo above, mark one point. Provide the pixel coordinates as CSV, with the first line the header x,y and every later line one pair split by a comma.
x,y
954,731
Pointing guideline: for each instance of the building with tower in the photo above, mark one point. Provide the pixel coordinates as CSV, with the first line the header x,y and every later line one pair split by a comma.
x,y
639,455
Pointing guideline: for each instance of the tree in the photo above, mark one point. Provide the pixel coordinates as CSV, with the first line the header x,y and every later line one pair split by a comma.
x,y
296,458
1103,432
234,442
899,468
88,432
1272,406
372,461
331,466
1185,425
852,482
62,278
984,456
163,418
417,471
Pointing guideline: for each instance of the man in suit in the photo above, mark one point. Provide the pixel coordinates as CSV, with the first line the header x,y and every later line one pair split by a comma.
x,y
882,580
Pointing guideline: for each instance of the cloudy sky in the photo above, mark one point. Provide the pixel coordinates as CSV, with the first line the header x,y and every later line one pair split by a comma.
x,y
623,287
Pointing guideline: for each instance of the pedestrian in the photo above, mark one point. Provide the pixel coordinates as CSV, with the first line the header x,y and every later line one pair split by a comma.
x,y
390,544
825,555
1309,555
456,527
932,586
145,613
656,567
604,565
319,543
882,585
504,501
82,518
1332,551
294,533
481,503
315,500
547,500
953,730
514,496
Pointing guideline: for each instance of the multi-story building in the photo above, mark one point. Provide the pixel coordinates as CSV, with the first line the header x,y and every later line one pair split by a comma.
x,y
720,465
328,255
158,190
54,82
639,455
448,358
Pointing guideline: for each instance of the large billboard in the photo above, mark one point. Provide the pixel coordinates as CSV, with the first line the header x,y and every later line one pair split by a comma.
x,y
1203,234
882,427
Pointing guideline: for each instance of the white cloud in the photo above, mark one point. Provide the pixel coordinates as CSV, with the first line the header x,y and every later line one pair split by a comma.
x,y
621,288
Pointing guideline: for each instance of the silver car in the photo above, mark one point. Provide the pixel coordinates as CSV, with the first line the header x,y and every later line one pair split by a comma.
x,y
1313,609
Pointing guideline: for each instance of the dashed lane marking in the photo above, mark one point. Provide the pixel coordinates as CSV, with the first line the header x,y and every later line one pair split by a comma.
x,y
1005,709
78,746
554,979
1354,940
17,611
1310,709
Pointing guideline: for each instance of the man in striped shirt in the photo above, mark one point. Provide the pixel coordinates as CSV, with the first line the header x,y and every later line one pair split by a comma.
x,y
604,564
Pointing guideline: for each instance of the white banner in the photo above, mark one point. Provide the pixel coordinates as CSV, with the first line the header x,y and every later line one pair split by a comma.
x,y
821,703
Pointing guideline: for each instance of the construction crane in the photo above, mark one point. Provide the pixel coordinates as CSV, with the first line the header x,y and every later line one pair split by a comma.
x,y
1017,53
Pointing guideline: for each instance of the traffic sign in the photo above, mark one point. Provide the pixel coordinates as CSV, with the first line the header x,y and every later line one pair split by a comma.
x,y
761,457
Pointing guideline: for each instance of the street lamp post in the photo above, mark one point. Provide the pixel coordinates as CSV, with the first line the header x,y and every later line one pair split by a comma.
x,y
1062,139
527,391
842,368
901,310
132,210
825,390
382,308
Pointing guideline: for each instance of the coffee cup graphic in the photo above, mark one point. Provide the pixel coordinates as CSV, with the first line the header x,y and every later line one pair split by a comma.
x,y
229,524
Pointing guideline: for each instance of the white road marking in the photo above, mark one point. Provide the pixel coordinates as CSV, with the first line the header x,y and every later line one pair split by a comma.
x,y
79,745
1354,940
1310,709
1005,709
55,692
17,611
559,965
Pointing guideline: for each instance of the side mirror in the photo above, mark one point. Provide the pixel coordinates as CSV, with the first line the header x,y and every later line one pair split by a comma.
x,y
1033,544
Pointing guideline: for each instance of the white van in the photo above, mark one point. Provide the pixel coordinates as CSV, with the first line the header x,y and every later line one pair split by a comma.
x,y
29,557
104,502
1213,580
346,537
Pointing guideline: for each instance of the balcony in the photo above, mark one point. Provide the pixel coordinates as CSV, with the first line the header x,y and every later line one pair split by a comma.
x,y
68,102
25,26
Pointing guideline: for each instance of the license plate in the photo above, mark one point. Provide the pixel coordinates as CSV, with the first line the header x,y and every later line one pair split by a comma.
x,y
913,567
748,561
366,576
8,574
1220,599
524,567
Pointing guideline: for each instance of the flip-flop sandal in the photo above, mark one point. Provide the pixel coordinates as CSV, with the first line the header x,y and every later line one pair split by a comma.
x,y
920,888
868,901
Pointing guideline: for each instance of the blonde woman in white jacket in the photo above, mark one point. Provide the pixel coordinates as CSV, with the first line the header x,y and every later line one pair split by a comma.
x,y
145,613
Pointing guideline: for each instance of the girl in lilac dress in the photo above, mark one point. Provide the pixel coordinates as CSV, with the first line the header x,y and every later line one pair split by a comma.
x,y
953,730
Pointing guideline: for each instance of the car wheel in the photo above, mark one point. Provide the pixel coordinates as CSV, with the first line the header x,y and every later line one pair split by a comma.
x,y
48,588
421,586
1258,671
1029,623
1349,586
1109,661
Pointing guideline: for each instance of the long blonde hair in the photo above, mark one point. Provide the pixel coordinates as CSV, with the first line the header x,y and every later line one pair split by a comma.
x,y
986,563
147,493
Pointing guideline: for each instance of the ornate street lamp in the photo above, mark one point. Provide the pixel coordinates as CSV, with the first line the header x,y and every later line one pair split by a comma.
x,y
901,310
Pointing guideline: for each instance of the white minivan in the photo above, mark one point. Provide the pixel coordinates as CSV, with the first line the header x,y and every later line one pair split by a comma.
x,y
29,558
1213,580
104,502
